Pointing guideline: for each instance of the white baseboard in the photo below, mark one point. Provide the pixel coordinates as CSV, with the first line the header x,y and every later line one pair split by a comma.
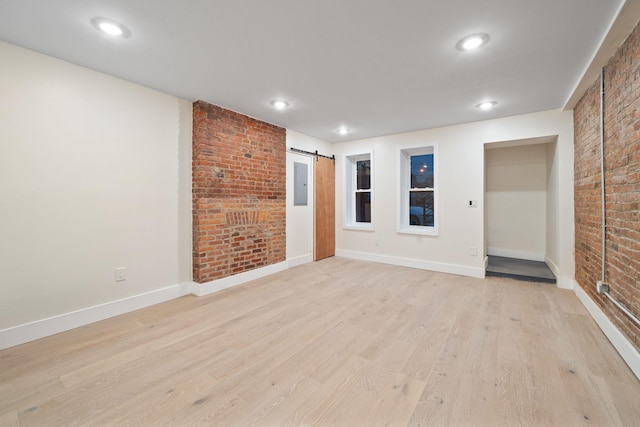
x,y
32,331
552,266
565,283
617,338
299,260
21,334
561,282
201,289
514,253
461,270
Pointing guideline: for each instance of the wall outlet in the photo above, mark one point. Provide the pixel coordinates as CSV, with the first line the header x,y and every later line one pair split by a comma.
x,y
121,274
473,251
473,203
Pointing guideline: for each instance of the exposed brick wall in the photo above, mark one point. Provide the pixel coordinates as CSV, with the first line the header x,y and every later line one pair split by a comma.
x,y
238,193
622,186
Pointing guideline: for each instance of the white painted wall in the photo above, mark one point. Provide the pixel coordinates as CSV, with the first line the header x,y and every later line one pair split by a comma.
x,y
553,212
461,177
516,197
300,218
95,173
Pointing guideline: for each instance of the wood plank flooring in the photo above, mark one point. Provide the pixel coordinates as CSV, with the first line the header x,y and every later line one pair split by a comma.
x,y
338,343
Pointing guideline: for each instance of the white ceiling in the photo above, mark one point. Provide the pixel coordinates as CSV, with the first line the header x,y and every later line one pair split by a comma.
x,y
378,67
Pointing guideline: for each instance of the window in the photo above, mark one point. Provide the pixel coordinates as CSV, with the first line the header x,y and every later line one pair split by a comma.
x,y
418,192
359,192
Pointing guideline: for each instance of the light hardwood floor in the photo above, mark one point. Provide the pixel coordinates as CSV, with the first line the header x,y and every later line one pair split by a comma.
x,y
337,342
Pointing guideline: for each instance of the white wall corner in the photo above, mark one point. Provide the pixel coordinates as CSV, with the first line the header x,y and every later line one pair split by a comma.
x,y
565,283
461,270
621,343
189,288
553,267
201,289
561,282
32,331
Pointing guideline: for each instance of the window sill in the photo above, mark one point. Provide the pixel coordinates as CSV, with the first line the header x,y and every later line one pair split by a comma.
x,y
364,227
419,230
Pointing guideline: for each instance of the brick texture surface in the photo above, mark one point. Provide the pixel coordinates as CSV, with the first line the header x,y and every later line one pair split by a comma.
x,y
238,193
622,186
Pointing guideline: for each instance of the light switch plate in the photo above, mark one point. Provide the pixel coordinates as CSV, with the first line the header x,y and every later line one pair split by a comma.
x,y
121,274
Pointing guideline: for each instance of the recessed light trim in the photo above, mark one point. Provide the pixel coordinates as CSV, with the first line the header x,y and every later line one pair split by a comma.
x,y
473,41
486,105
110,27
343,131
279,104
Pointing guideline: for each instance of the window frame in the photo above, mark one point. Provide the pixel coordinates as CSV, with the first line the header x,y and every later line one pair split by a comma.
x,y
404,226
351,189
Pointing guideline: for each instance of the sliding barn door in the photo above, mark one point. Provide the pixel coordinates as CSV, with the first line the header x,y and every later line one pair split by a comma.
x,y
325,206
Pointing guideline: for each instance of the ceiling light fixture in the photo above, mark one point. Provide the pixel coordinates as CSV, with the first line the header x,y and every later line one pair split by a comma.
x,y
472,42
110,27
343,131
486,105
279,104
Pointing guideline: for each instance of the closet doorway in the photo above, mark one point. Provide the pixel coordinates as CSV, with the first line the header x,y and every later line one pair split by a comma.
x,y
310,206
521,202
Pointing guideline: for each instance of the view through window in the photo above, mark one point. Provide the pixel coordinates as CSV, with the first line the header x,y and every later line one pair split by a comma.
x,y
363,191
421,204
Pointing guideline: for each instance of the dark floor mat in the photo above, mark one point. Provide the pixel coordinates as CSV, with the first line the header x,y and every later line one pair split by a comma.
x,y
533,271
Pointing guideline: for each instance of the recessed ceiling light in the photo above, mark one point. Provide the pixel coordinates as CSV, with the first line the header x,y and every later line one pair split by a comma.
x,y
473,41
111,27
343,131
486,105
279,104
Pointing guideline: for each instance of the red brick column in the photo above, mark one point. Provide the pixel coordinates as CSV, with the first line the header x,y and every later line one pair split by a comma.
x,y
239,189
